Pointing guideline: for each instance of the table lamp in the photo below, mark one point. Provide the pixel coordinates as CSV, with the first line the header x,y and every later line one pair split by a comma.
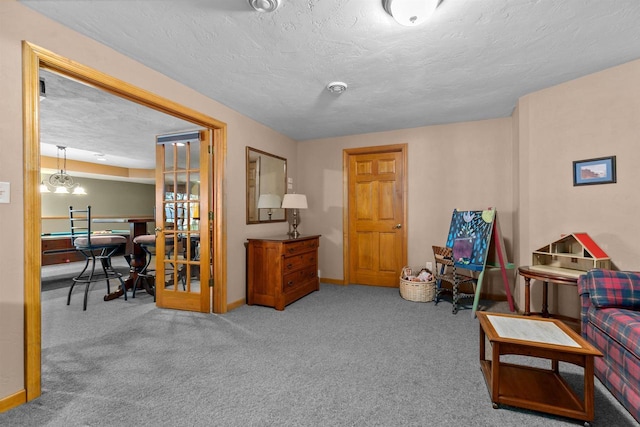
x,y
295,202
269,201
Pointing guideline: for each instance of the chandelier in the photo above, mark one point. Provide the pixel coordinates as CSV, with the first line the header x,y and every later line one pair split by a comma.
x,y
61,182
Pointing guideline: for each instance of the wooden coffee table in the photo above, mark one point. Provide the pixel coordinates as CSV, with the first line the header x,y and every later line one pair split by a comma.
x,y
535,388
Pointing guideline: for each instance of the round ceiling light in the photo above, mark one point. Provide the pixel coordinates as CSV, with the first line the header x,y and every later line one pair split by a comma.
x,y
337,87
410,12
264,5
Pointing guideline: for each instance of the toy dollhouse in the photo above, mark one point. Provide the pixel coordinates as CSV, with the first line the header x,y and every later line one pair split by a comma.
x,y
573,254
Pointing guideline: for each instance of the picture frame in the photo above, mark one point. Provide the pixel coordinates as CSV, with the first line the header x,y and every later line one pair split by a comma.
x,y
601,170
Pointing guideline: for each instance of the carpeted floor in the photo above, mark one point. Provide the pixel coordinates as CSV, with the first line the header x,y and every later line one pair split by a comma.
x,y
343,356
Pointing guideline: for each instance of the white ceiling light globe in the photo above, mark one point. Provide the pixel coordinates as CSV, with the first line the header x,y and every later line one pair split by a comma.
x,y
410,12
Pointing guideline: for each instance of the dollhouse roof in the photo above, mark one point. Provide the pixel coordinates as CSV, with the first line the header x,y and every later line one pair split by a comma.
x,y
580,243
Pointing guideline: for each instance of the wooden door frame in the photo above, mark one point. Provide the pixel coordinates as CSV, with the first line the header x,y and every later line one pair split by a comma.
x,y
33,59
346,155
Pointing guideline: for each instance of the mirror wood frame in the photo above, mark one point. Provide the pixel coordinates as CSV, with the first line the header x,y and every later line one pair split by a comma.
x,y
253,195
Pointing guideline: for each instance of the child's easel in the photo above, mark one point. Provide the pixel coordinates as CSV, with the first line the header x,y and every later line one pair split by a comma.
x,y
476,243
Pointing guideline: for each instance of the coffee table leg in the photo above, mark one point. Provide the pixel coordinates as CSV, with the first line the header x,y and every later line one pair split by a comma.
x,y
588,388
495,374
482,345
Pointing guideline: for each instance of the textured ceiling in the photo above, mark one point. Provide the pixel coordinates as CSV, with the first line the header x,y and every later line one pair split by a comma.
x,y
88,121
472,60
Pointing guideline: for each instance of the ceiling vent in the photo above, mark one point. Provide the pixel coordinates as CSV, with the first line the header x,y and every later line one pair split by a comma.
x,y
264,5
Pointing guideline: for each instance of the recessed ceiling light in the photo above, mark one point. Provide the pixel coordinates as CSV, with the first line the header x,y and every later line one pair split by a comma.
x,y
100,157
264,5
337,87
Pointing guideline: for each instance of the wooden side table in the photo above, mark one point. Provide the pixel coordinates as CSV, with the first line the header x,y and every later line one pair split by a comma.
x,y
557,276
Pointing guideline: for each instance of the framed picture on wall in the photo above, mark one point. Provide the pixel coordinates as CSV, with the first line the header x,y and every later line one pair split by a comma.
x,y
601,170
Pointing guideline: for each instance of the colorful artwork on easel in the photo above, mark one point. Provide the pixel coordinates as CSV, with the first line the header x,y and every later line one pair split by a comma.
x,y
470,236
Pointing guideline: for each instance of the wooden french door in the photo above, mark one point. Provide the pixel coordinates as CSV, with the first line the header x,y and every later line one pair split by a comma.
x,y
183,240
377,231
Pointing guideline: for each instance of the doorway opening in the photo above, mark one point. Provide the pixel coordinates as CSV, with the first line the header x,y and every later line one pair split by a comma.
x,y
35,58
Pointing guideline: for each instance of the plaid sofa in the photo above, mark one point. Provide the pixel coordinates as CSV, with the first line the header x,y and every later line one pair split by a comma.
x,y
610,320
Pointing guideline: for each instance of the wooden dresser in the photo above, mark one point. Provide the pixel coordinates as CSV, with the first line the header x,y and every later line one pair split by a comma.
x,y
281,270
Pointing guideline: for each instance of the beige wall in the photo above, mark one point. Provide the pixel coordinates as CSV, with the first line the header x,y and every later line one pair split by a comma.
x,y
594,116
18,23
106,198
464,166
521,166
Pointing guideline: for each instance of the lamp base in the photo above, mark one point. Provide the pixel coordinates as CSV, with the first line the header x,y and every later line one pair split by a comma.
x,y
295,233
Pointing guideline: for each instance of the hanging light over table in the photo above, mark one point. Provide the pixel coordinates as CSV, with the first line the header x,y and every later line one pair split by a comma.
x,y
61,182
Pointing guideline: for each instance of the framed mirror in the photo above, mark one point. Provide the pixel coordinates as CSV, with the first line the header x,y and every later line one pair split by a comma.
x,y
266,186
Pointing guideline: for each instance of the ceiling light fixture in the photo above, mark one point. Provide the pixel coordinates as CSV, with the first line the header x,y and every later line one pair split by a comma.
x,y
61,182
265,6
410,12
337,87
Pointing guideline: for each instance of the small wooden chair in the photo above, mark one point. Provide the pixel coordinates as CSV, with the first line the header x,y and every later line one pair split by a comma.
x,y
94,247
445,270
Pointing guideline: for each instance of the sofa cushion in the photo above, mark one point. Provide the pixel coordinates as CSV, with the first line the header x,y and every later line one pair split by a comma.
x,y
99,241
609,288
622,326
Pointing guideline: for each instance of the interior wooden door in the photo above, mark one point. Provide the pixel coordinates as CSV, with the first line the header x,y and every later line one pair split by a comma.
x,y
376,213
183,242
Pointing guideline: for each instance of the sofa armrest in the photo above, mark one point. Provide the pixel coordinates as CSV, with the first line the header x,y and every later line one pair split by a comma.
x,y
608,288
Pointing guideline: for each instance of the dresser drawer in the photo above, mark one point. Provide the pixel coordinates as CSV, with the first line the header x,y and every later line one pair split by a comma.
x,y
294,280
296,262
293,248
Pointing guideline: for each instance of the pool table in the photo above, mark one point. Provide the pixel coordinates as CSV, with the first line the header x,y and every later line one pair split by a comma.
x,y
57,247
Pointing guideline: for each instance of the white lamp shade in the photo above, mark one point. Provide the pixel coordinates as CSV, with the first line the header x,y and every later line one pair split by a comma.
x,y
79,191
410,12
269,201
294,201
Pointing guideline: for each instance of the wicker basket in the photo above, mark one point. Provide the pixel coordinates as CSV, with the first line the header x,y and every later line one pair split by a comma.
x,y
417,291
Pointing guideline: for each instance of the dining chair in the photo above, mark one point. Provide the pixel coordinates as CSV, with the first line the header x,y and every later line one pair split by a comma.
x,y
446,271
94,248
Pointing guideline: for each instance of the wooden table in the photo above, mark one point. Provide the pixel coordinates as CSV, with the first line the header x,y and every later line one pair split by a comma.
x,y
560,276
137,256
534,388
